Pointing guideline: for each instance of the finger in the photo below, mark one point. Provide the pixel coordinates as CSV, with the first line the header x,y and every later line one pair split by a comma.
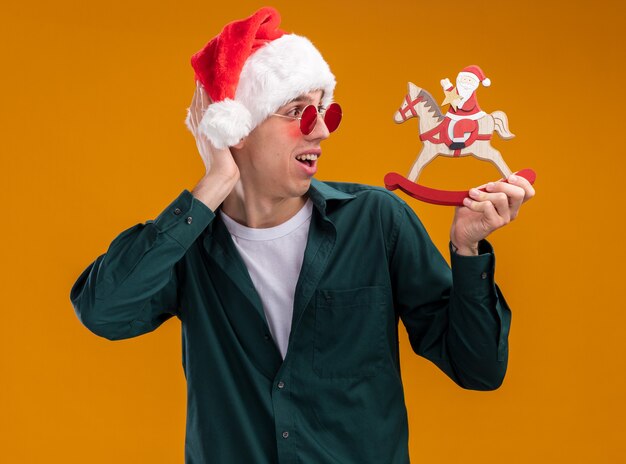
x,y
499,200
520,181
188,121
191,117
204,97
514,193
194,108
492,219
201,93
199,107
196,93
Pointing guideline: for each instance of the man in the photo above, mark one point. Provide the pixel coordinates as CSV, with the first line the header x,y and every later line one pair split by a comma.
x,y
289,290
464,111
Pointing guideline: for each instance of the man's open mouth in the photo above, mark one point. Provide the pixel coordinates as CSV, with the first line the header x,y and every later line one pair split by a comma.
x,y
308,158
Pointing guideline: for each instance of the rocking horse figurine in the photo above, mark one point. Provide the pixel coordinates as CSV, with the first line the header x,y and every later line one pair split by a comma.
x,y
464,130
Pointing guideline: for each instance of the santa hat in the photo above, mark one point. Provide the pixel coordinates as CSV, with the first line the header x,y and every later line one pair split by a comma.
x,y
477,73
251,69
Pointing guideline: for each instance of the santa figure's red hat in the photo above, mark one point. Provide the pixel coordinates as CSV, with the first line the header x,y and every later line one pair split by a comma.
x,y
251,69
477,73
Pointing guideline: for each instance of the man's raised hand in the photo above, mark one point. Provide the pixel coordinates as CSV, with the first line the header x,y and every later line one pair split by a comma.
x,y
222,172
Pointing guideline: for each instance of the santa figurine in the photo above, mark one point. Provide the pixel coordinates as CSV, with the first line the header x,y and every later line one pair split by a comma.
x,y
464,111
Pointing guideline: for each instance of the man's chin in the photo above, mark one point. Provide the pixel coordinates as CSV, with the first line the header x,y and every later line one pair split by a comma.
x,y
307,186
302,188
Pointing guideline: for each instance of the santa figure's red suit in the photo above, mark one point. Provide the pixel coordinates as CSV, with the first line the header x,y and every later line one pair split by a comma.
x,y
463,125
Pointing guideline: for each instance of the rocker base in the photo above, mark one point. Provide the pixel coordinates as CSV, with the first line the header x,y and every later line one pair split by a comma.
x,y
394,181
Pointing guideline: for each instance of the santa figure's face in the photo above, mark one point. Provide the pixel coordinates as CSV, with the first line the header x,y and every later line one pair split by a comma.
x,y
466,85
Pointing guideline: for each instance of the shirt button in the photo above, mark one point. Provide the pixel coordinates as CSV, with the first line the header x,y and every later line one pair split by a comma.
x,y
281,384
266,337
189,220
177,211
483,275
285,434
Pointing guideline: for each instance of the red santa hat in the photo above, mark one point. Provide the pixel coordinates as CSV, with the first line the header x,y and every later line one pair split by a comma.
x,y
477,73
251,69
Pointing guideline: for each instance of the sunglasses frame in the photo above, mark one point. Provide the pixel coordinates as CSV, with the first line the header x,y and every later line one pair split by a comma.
x,y
308,119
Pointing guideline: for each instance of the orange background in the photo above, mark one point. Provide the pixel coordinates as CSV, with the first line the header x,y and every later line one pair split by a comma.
x,y
94,96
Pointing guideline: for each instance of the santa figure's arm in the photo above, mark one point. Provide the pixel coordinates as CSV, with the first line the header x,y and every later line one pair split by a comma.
x,y
446,84
470,103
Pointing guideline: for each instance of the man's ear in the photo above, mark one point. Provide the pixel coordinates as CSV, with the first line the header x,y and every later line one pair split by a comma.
x,y
240,144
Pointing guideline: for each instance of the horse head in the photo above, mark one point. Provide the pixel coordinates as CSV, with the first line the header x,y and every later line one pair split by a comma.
x,y
408,110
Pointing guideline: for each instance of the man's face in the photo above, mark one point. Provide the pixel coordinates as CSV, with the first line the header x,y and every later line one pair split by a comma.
x,y
272,158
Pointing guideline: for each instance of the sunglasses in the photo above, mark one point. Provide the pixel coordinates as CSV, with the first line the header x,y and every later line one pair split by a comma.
x,y
308,119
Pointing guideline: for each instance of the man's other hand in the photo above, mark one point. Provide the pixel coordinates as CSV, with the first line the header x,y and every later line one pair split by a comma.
x,y
484,212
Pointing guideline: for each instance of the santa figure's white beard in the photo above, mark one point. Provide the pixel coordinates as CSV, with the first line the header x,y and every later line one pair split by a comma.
x,y
465,92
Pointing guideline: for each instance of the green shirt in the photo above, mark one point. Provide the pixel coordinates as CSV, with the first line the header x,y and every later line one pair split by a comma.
x,y
337,397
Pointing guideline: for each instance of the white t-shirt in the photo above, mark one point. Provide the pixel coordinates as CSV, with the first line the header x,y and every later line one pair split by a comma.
x,y
274,258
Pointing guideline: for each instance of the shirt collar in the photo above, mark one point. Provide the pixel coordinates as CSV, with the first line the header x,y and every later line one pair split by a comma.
x,y
320,193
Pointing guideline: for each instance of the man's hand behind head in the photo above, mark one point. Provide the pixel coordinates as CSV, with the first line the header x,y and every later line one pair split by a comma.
x,y
222,172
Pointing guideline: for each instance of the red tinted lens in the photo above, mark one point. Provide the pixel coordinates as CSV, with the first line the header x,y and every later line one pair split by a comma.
x,y
332,117
308,120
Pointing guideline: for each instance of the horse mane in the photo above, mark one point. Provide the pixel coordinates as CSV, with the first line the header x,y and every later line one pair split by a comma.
x,y
430,104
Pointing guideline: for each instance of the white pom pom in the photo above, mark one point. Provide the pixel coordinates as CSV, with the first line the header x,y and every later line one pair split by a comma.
x,y
225,123
486,82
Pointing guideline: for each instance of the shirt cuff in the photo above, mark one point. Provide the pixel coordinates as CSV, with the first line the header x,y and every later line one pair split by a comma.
x,y
184,219
473,274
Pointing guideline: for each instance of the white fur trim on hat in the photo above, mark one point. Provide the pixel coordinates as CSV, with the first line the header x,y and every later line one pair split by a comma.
x,y
225,123
486,81
280,71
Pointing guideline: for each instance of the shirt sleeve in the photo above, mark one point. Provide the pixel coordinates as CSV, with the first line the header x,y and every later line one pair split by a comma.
x,y
457,318
132,288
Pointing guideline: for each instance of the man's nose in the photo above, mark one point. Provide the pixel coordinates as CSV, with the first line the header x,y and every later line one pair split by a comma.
x,y
320,131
